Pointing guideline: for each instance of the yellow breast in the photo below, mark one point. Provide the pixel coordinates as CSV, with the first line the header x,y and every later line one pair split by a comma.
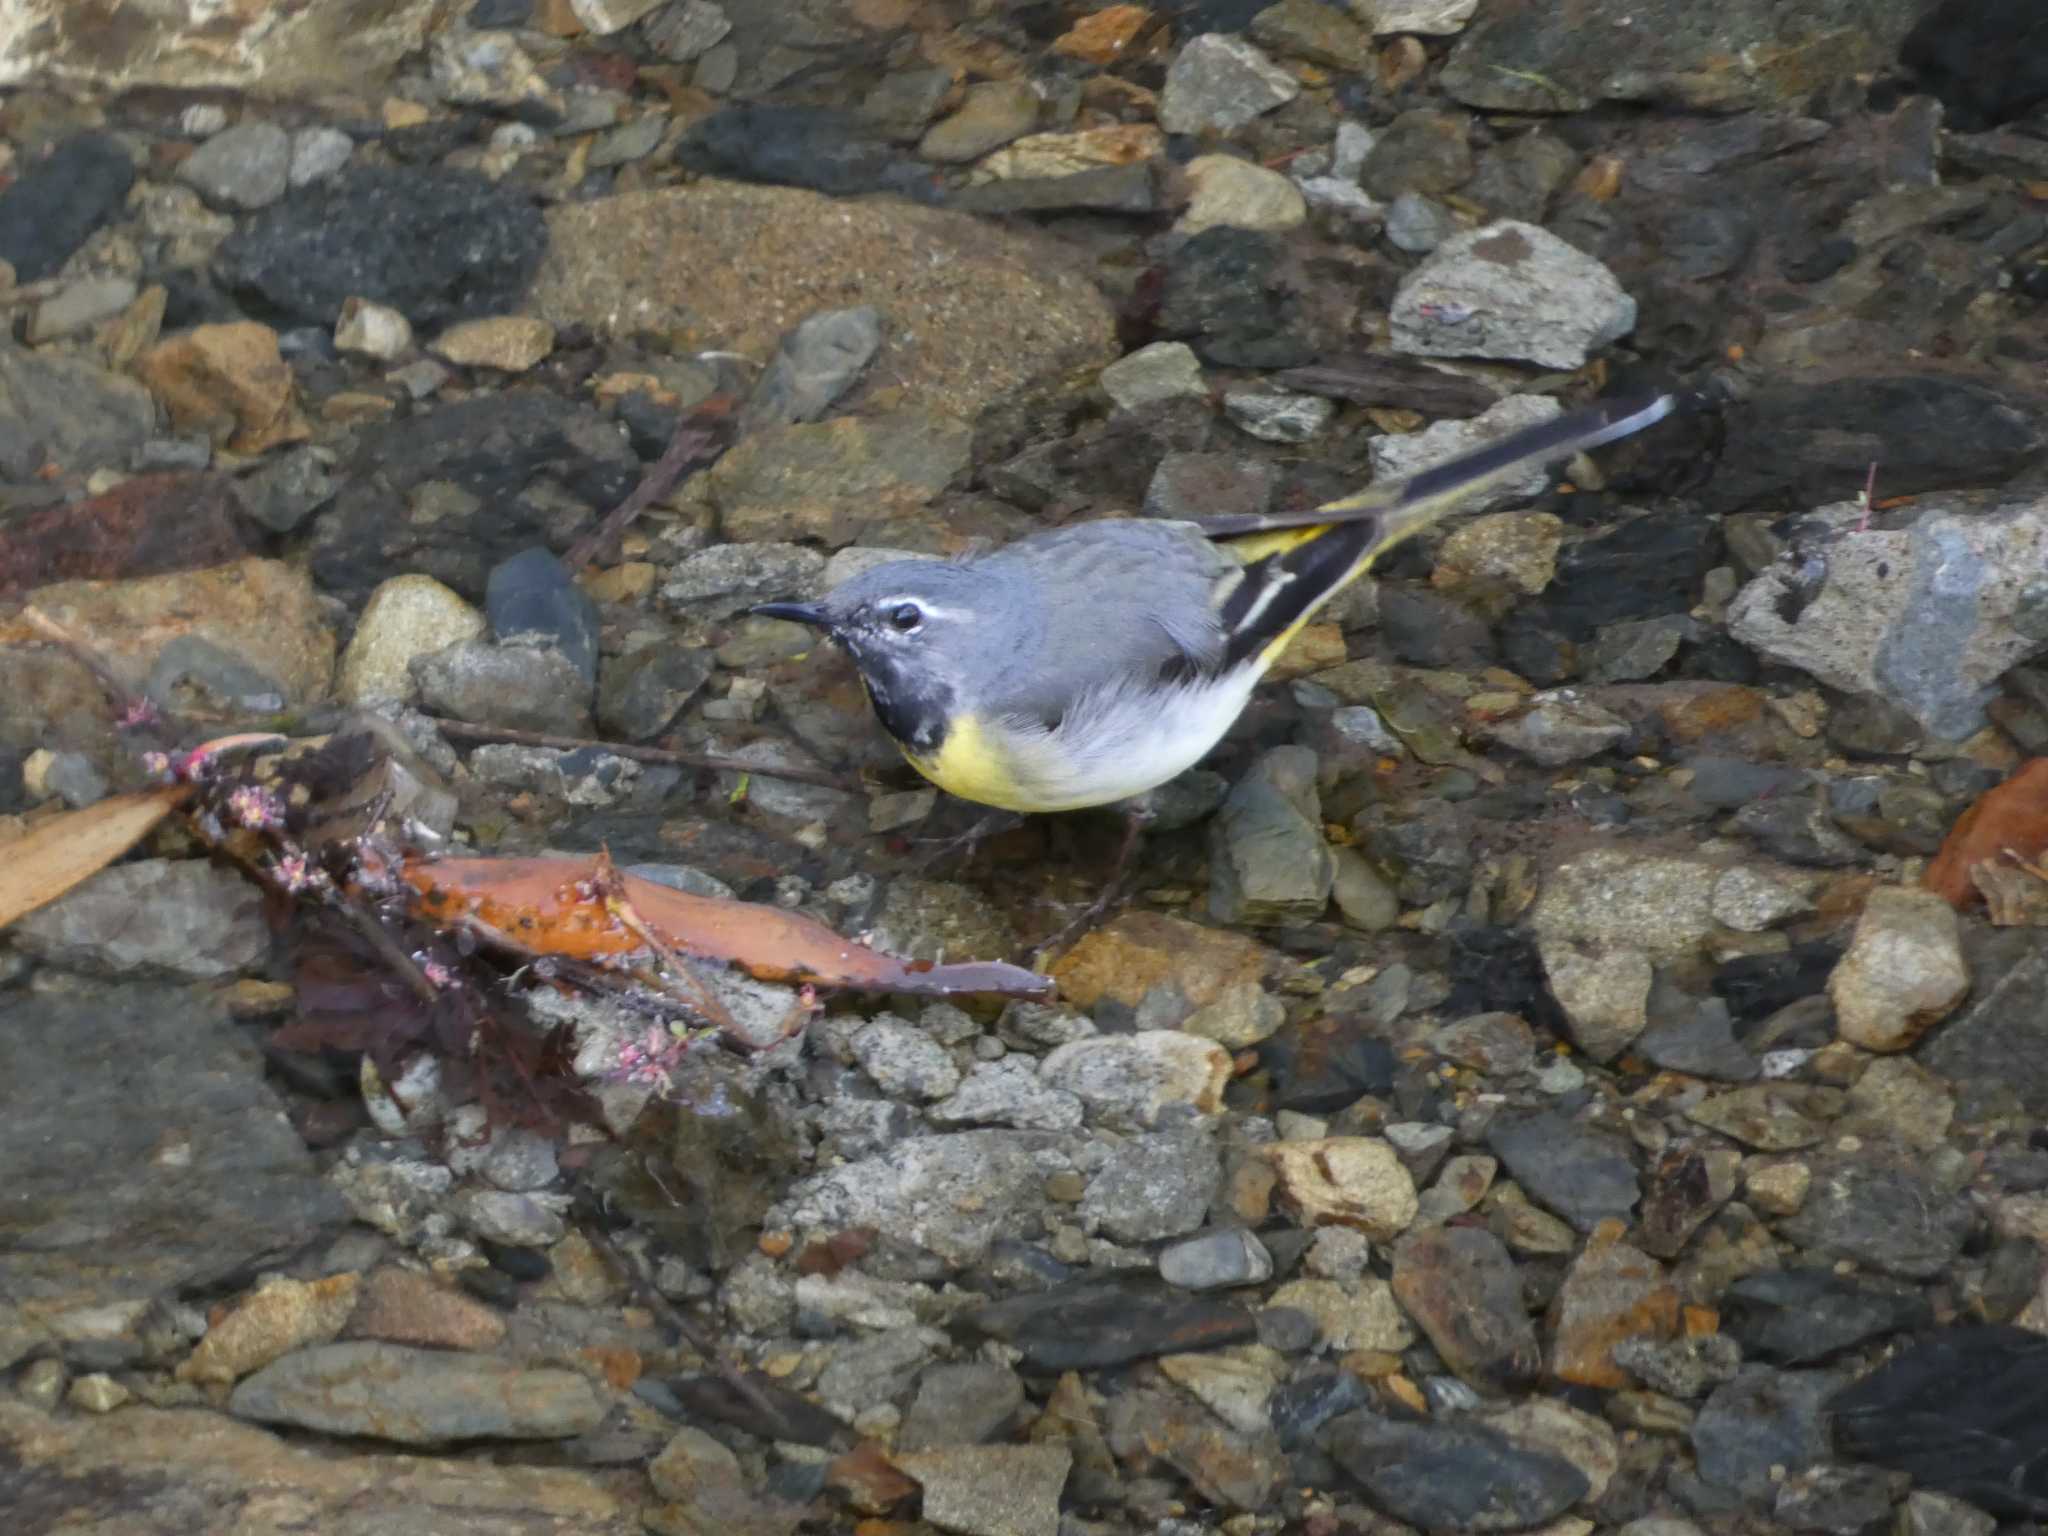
x,y
969,764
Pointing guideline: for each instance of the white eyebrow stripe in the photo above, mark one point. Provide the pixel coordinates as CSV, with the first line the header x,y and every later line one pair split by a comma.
x,y
924,606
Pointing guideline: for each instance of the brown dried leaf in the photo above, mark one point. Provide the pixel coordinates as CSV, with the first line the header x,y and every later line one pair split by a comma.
x,y
2014,816
65,850
552,906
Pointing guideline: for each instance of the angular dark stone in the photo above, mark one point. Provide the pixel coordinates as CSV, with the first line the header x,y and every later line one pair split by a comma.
x,y
1992,1050
1093,1323
531,595
1323,1065
497,466
1756,986
436,245
1460,1284
94,1086
57,201
1498,970
1646,568
1233,296
1985,60
797,146
1802,1316
1799,443
1582,1174
1886,1212
789,1417
1450,1475
1762,1419
1964,1411
1301,1407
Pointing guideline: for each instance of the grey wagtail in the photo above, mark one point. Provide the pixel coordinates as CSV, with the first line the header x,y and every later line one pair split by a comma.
x,y
1090,663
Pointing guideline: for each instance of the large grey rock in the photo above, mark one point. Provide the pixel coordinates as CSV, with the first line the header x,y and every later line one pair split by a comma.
x,y
97,1089
418,1396
1510,290
177,917
1927,617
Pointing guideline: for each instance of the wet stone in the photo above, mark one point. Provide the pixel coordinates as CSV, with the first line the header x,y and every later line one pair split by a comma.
x,y
243,168
512,686
1459,1284
1452,1476
822,148
1762,1425
992,1490
1089,1324
435,245
1889,1212
1687,1187
1903,970
1008,1092
417,1397
1232,295
1584,1175
1216,1260
1683,1368
1771,1117
639,696
59,199
1510,290
165,917
1961,1412
960,1405
1702,1043
1219,83
1153,1186
1804,1316
1133,1081
1612,1292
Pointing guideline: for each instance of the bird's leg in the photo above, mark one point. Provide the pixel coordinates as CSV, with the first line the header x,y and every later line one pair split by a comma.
x,y
1138,815
962,845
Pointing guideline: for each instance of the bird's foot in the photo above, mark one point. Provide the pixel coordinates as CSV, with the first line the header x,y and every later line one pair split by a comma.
x,y
1138,815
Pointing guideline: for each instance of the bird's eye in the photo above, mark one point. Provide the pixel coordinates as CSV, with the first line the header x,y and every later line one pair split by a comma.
x,y
907,617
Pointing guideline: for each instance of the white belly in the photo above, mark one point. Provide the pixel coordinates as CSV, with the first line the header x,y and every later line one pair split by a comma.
x,y
1114,745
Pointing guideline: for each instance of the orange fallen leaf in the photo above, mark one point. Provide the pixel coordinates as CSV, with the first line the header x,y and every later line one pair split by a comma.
x,y
2013,815
66,850
555,906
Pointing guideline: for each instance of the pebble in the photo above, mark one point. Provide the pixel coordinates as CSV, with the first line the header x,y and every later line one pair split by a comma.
x,y
1234,1384
1902,973
509,343
1218,83
506,685
317,153
1278,418
1512,291
229,380
991,1490
1228,1256
1453,1475
406,617
1560,727
904,1061
1612,1292
686,30
241,168
1228,190
990,115
1361,1314
402,1306
275,1319
1585,1175
1130,1082
80,306
1397,456
417,1397
1762,1426
58,200
163,917
1605,995
1357,1181
1460,1286
1269,861
530,600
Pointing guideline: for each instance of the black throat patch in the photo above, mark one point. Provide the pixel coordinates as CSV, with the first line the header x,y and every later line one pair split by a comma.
x,y
915,711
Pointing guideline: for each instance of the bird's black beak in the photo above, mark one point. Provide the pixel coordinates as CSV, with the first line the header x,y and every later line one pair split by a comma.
x,y
795,613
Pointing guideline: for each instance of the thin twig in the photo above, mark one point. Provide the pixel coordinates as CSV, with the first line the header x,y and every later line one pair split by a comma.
x,y
126,705
694,444
671,1316
462,730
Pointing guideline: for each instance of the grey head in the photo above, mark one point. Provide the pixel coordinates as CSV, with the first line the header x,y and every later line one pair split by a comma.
x,y
931,638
